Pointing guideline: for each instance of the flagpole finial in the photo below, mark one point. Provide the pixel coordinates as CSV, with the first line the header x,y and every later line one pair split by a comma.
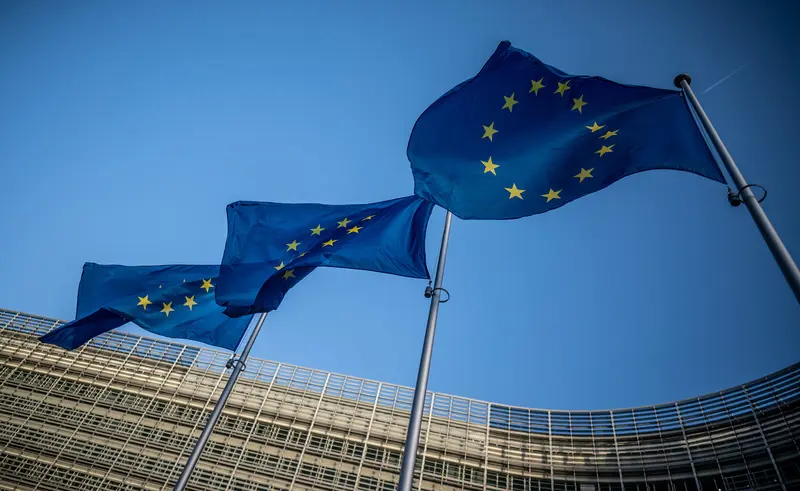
x,y
680,78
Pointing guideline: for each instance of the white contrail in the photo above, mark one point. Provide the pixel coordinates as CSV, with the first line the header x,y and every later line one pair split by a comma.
x,y
726,77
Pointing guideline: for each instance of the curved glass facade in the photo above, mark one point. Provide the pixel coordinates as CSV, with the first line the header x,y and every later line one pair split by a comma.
x,y
124,411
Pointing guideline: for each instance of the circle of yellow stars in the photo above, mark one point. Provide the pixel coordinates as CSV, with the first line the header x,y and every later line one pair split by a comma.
x,y
166,307
347,224
578,103
350,227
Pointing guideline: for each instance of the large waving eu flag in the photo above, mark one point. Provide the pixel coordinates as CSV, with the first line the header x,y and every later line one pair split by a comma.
x,y
523,137
175,301
272,246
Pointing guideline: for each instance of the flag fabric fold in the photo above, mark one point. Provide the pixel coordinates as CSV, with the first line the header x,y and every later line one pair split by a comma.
x,y
522,138
272,246
176,301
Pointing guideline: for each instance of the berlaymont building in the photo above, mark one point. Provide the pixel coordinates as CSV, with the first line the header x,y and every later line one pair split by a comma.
x,y
123,412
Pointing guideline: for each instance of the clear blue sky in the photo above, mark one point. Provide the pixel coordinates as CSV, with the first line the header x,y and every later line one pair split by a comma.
x,y
126,127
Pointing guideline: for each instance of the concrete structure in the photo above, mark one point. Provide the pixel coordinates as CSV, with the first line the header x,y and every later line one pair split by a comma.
x,y
123,412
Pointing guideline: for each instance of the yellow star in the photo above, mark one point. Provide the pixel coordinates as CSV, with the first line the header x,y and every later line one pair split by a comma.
x,y
489,166
206,285
578,104
288,274
489,131
509,103
343,223
604,150
354,230
189,302
279,267
368,218
562,88
328,243
316,231
584,174
609,134
536,85
144,302
292,246
167,308
552,195
595,126
514,191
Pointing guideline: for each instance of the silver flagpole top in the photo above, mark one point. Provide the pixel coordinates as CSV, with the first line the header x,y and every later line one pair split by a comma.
x,y
680,78
745,193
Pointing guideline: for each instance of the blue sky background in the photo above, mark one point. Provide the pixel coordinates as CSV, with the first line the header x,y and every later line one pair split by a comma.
x,y
126,127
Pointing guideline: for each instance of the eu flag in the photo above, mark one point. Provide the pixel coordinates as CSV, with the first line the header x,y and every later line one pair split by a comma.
x,y
522,138
272,246
176,301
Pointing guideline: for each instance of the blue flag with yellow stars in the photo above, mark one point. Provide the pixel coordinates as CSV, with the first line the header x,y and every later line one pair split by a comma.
x,y
176,301
522,138
272,246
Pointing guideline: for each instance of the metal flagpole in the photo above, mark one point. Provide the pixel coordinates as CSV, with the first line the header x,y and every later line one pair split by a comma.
x,y
415,423
745,193
238,364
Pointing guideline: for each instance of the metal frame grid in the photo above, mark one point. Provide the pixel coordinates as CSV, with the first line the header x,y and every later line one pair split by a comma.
x,y
123,411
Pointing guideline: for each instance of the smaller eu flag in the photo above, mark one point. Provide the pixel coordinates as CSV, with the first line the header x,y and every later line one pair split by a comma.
x,y
272,246
176,301
522,138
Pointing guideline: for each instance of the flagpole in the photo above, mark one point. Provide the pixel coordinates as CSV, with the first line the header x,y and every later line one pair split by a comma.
x,y
238,365
418,406
745,193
